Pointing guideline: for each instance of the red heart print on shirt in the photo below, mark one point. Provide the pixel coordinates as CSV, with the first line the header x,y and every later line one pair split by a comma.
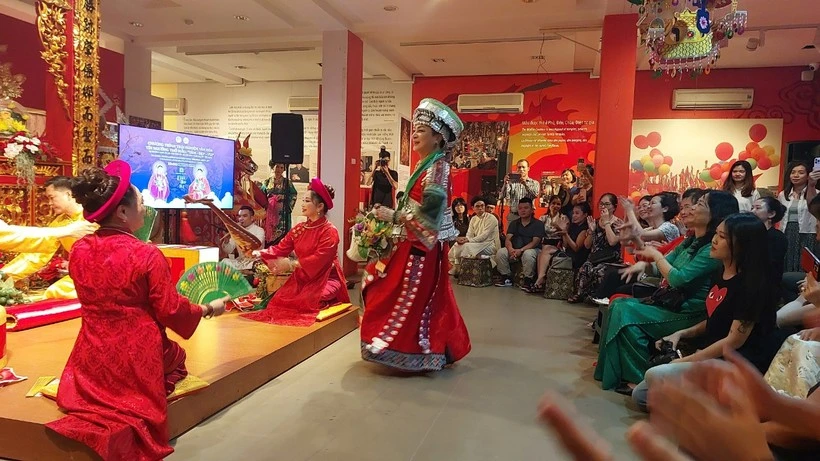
x,y
716,296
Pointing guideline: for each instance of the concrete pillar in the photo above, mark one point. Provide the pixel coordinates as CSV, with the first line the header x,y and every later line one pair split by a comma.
x,y
340,128
138,99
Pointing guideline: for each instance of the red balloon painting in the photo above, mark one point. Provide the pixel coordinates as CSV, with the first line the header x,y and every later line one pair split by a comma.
x,y
724,151
758,132
653,138
641,142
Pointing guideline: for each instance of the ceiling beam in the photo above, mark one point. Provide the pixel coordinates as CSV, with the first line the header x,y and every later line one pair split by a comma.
x,y
197,68
278,9
325,16
175,69
376,59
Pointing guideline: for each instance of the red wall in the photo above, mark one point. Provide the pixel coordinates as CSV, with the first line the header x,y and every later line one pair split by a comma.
x,y
24,54
779,93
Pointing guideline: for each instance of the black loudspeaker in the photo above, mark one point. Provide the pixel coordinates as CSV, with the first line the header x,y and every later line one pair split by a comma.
x,y
805,151
287,138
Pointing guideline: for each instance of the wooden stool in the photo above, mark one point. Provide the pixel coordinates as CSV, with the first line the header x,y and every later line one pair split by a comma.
x,y
476,272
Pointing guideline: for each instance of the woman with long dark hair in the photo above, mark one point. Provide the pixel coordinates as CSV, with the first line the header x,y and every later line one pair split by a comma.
x,y
740,309
604,245
679,303
798,190
770,211
461,220
741,184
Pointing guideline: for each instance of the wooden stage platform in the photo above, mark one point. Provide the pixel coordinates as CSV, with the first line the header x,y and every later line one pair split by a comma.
x,y
234,355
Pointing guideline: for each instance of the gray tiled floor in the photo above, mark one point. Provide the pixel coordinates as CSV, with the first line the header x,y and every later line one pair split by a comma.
x,y
336,407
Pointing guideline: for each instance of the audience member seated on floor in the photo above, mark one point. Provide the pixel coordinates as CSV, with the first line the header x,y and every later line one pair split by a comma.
x,y
237,260
522,244
123,366
679,302
604,246
481,239
550,243
612,284
715,413
771,211
740,309
461,220
316,279
662,208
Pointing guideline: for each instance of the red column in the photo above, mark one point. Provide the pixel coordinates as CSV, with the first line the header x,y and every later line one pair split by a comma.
x,y
619,47
59,123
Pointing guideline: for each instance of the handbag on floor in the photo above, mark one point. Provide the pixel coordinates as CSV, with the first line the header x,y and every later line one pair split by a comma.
x,y
560,277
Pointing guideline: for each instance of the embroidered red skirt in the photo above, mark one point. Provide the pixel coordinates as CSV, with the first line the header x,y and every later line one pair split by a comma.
x,y
411,321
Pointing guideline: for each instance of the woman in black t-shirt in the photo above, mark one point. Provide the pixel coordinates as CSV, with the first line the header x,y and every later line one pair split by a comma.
x,y
740,310
771,211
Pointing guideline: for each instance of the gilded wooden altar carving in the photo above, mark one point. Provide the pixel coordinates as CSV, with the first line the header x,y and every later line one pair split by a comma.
x,y
23,206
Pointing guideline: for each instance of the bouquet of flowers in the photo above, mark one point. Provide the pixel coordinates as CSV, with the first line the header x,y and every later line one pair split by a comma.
x,y
25,151
372,237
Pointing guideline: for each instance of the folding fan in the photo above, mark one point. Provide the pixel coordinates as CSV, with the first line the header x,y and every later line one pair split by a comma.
x,y
144,232
206,282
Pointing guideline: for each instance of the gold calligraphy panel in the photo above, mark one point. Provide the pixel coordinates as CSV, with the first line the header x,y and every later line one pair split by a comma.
x,y
86,83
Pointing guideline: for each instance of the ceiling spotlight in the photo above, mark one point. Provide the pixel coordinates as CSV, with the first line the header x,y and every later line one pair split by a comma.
x,y
391,8
439,60
135,24
240,67
188,22
539,57
239,17
529,1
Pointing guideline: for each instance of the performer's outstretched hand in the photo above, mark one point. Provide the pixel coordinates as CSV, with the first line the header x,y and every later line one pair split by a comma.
x,y
218,306
80,229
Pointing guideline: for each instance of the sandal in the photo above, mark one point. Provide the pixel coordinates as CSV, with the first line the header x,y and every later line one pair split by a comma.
x,y
574,299
534,288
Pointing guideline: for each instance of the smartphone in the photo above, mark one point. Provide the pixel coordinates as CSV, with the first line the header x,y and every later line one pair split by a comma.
x,y
816,164
515,177
809,262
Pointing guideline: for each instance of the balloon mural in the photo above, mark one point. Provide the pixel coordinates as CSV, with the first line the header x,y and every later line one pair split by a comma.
x,y
652,173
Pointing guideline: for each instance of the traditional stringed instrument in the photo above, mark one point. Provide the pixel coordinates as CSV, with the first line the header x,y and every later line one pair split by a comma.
x,y
245,241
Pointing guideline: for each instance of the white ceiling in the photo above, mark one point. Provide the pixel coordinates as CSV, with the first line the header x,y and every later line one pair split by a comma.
x,y
281,40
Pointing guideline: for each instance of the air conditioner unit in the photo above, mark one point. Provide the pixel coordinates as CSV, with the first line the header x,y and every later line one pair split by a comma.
x,y
175,106
713,99
498,103
303,104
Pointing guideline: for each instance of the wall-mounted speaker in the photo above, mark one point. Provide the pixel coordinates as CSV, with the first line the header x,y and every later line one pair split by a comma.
x,y
287,138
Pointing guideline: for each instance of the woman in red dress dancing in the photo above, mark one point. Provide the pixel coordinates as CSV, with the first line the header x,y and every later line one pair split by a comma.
x,y
411,321
123,365
317,280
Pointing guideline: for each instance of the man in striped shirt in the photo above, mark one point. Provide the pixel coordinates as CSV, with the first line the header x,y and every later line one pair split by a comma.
x,y
517,188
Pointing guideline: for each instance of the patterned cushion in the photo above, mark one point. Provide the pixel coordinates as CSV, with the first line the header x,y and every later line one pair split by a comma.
x,y
476,272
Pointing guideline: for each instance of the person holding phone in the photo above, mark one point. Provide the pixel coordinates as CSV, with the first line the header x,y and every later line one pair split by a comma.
x,y
517,186
384,180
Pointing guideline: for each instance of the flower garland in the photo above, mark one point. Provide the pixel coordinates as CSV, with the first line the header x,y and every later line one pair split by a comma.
x,y
25,151
372,237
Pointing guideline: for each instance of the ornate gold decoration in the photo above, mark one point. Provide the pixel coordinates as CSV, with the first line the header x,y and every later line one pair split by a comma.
x,y
86,83
11,85
42,212
51,24
14,207
7,168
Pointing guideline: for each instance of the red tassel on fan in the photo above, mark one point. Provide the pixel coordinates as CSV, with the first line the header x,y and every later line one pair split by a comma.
x,y
186,232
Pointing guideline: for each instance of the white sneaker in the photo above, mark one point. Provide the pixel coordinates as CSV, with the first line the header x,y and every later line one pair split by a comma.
x,y
601,301
453,271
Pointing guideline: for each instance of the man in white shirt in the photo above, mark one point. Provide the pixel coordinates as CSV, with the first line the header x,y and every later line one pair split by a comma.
x,y
482,237
235,257
516,187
